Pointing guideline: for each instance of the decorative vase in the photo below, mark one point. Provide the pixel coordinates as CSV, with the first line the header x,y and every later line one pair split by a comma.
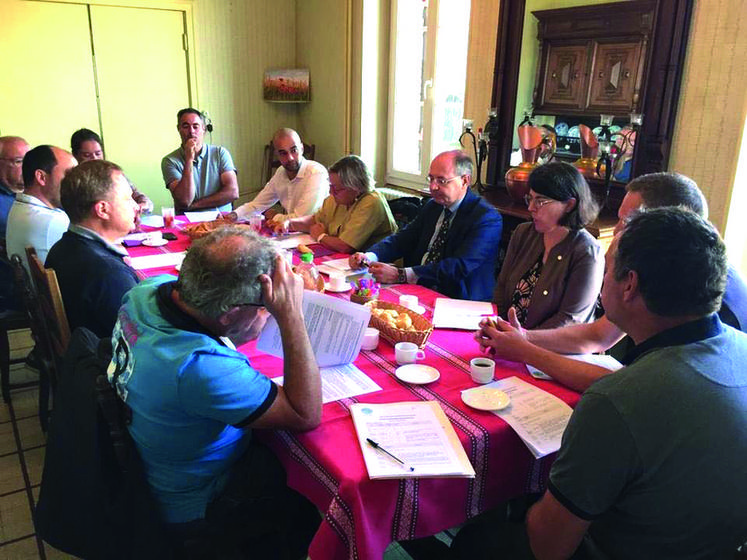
x,y
587,163
535,142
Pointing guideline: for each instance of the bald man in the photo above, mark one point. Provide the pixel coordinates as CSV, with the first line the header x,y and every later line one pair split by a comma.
x,y
12,150
36,218
299,184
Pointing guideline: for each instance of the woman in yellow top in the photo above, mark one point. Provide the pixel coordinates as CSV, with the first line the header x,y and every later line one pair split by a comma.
x,y
354,216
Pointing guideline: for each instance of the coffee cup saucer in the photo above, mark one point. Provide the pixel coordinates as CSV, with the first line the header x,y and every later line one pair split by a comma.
x,y
155,242
486,398
417,374
329,288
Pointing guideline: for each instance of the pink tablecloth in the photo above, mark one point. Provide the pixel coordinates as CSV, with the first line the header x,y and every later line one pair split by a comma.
x,y
362,516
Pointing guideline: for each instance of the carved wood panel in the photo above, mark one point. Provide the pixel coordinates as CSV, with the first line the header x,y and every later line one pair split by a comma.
x,y
615,79
565,76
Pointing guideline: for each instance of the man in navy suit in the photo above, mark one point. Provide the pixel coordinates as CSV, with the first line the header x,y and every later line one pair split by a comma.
x,y
452,244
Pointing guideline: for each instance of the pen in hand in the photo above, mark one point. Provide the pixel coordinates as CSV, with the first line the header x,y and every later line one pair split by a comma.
x,y
375,445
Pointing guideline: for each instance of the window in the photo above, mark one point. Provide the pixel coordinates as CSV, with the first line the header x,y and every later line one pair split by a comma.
x,y
428,73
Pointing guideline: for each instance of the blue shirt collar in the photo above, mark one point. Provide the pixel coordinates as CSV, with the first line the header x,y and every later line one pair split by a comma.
x,y
694,331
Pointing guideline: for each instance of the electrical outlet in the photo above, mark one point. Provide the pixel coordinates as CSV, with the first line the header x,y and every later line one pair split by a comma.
x,y
467,125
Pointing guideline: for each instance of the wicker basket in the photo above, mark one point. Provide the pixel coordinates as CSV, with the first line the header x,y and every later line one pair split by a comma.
x,y
201,229
423,327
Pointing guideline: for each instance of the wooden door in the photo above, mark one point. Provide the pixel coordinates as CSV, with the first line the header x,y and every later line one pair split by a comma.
x,y
615,77
565,77
48,89
141,64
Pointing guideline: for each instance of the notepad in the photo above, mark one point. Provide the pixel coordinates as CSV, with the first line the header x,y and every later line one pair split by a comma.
x,y
417,433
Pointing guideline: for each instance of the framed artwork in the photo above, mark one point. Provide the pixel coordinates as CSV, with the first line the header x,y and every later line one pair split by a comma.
x,y
287,86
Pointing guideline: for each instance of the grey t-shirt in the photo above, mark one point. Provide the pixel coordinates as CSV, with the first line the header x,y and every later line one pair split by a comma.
x,y
655,455
209,165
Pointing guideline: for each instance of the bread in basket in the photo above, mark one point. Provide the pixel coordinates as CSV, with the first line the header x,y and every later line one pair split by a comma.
x,y
201,229
395,328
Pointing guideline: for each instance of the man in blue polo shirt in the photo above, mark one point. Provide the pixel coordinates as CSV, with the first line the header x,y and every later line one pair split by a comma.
x,y
200,176
195,399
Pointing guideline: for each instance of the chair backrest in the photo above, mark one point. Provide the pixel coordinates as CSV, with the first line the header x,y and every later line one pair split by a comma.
x,y
50,303
270,163
30,304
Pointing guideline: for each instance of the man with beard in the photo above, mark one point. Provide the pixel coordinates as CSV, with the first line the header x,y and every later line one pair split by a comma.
x,y
199,176
299,184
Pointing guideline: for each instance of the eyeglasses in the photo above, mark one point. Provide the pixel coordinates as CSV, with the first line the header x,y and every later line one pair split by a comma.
x,y
248,305
440,181
14,161
539,202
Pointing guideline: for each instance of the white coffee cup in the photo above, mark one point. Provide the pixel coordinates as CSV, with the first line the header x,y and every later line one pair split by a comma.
x,y
411,302
370,339
154,237
407,353
338,282
482,369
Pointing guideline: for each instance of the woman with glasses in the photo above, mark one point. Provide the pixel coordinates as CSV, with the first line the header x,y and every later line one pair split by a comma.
x,y
354,216
553,269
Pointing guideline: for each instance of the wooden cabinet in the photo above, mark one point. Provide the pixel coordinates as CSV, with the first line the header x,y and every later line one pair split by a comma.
x,y
593,58
565,76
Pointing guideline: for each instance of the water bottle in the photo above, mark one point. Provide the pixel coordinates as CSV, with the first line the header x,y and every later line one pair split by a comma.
x,y
312,280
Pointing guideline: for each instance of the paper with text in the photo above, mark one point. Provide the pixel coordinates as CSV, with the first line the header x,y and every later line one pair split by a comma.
x,y
418,433
460,314
538,417
202,216
602,360
159,260
335,326
341,382
292,241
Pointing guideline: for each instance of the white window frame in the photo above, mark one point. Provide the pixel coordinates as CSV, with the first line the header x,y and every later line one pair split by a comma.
x,y
401,178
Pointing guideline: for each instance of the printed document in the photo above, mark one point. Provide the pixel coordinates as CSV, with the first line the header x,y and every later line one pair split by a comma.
x,y
159,260
460,314
538,417
340,382
335,326
337,266
602,360
416,433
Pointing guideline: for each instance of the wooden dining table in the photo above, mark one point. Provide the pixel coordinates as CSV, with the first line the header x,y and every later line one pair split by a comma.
x,y
361,517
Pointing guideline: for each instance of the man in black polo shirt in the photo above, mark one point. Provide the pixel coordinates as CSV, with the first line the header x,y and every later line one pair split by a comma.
x,y
88,260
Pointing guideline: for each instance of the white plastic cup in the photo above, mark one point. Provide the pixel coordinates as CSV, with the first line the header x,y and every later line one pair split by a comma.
x,y
482,370
370,339
255,222
409,301
407,353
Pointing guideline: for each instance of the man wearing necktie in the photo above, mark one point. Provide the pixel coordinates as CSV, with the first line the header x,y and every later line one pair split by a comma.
x,y
452,244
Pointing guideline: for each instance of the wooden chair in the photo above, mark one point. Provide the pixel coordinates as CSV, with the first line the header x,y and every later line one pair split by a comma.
x,y
53,326
10,320
271,163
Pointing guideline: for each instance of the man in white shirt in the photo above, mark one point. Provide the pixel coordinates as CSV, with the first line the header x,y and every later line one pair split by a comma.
x,y
299,184
36,218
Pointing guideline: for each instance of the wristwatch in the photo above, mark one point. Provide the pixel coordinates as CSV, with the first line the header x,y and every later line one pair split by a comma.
x,y
401,276
320,237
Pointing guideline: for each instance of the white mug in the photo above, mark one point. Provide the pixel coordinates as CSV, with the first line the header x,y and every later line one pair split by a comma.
x,y
370,339
411,302
482,370
338,282
407,353
154,236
